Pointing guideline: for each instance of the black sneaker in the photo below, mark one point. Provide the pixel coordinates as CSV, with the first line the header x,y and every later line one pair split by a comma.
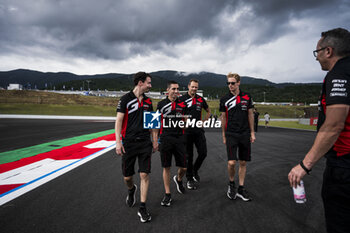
x,y
243,194
179,186
130,199
144,215
191,185
166,200
196,177
231,191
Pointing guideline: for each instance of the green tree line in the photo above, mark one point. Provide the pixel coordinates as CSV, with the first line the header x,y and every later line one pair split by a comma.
x,y
300,93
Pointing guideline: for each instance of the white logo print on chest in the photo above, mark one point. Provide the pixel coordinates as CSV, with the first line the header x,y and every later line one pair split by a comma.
x,y
166,109
189,102
133,104
231,103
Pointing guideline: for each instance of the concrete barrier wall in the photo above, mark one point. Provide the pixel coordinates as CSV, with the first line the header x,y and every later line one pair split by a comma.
x,y
304,121
308,121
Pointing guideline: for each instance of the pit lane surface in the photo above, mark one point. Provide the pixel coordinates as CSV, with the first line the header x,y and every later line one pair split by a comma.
x,y
91,198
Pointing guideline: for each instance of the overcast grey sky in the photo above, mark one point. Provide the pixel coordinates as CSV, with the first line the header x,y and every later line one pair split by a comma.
x,y
271,39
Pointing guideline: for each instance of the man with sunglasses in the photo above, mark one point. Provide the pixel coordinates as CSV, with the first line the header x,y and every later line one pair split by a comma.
x,y
237,133
333,136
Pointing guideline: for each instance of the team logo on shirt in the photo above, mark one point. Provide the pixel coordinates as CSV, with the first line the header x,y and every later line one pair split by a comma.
x,y
189,102
231,103
166,109
132,106
151,120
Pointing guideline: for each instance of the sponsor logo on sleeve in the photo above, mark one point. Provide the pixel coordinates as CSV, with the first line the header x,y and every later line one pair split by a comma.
x,y
339,88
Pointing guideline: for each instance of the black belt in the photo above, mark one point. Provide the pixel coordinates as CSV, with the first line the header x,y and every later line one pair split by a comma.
x,y
172,135
136,140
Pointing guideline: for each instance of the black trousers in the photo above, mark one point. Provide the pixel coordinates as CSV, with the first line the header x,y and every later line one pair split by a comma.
x,y
198,139
256,126
336,198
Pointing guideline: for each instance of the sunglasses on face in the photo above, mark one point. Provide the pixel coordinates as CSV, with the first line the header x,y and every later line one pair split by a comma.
x,y
232,83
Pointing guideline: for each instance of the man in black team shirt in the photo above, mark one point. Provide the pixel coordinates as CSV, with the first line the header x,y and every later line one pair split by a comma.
x,y
256,119
333,136
172,139
133,142
195,103
237,133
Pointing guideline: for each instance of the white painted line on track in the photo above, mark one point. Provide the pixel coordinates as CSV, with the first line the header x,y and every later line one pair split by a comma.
x,y
311,130
14,193
14,172
100,144
33,171
15,116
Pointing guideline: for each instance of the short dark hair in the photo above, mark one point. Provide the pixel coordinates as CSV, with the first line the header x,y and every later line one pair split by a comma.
x,y
193,80
338,39
140,76
171,82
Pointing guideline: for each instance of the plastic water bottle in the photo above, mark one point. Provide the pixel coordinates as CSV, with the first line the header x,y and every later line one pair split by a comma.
x,y
299,193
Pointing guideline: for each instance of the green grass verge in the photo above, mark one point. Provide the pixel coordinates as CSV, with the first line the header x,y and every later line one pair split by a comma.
x,y
97,110
14,155
274,111
280,111
55,109
289,124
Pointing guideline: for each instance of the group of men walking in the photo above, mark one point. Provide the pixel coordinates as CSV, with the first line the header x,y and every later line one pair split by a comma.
x,y
332,140
133,142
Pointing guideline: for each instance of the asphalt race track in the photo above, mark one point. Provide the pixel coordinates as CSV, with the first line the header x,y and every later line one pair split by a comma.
x,y
19,133
91,198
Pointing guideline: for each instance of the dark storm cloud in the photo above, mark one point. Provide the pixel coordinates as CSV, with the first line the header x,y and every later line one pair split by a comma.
x,y
99,27
119,29
266,21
